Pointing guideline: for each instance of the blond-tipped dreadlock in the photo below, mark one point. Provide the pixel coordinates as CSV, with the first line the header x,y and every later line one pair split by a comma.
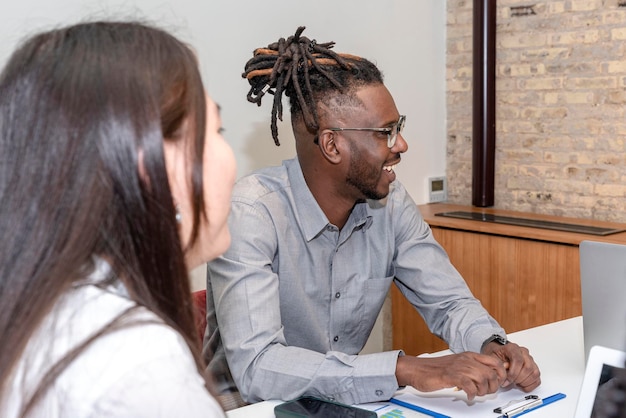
x,y
307,72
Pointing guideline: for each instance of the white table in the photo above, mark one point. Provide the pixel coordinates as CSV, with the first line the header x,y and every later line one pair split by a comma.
x,y
557,348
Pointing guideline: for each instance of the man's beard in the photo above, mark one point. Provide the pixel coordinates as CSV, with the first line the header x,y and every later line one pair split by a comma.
x,y
362,176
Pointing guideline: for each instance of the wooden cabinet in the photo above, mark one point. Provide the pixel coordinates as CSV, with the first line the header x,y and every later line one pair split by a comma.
x,y
524,276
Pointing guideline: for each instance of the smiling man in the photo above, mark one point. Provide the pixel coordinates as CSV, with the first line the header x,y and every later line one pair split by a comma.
x,y
318,241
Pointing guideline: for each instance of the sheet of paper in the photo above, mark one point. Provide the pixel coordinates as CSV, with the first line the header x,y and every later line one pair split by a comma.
x,y
455,404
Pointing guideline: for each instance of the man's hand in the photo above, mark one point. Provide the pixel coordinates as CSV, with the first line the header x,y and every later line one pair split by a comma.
x,y
522,370
476,374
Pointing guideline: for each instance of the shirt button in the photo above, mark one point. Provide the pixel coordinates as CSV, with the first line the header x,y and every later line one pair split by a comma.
x,y
336,338
337,295
379,392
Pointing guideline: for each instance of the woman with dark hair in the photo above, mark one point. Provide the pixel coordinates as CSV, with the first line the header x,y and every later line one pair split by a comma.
x,y
115,181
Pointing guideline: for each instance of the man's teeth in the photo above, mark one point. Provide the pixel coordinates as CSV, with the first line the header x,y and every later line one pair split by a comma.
x,y
390,168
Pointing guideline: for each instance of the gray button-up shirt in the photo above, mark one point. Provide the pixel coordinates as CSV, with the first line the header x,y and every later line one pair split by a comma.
x,y
296,298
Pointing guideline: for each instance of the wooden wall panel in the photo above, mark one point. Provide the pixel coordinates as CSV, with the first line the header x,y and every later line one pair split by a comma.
x,y
523,282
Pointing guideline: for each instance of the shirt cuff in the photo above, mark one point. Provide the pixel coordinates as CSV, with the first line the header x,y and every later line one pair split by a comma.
x,y
477,339
375,376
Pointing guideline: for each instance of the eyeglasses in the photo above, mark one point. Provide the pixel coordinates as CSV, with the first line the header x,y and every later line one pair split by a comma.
x,y
392,131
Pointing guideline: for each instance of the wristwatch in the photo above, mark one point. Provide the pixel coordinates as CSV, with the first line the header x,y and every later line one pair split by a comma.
x,y
495,337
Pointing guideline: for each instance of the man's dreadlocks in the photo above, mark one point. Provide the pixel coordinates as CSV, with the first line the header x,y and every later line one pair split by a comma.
x,y
307,72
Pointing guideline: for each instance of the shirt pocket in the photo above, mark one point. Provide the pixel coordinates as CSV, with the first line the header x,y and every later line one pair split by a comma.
x,y
374,293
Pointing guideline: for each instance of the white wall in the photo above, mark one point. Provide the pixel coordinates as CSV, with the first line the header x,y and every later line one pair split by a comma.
x,y
406,38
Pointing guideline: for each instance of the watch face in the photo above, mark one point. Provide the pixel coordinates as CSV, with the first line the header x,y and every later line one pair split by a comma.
x,y
495,338
500,339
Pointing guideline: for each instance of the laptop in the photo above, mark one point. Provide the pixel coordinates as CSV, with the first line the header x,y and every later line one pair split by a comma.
x,y
603,286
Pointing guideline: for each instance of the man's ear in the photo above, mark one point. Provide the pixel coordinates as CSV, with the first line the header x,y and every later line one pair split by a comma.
x,y
329,147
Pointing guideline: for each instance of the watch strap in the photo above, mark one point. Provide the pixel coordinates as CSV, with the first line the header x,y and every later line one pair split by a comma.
x,y
495,337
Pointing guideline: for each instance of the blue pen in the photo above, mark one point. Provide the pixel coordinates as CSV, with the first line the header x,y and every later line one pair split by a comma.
x,y
418,408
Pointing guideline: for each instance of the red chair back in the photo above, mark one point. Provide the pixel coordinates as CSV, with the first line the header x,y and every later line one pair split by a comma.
x,y
199,300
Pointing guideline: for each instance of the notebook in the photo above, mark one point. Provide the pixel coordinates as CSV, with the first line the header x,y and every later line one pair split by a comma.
x,y
603,286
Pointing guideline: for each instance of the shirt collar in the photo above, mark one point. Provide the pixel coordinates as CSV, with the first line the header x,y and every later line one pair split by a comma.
x,y
102,276
312,219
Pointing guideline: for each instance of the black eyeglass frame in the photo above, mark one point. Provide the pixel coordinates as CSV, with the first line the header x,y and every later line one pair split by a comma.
x,y
391,131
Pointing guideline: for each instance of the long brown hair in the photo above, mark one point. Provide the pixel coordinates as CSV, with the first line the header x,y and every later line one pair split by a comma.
x,y
77,105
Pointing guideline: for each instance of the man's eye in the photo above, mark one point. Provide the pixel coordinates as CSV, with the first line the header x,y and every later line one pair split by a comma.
x,y
221,130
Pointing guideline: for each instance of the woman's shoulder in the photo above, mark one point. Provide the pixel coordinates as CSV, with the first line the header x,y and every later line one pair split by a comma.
x,y
136,367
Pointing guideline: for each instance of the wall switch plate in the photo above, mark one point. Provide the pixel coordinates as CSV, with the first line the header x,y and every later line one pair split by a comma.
x,y
437,189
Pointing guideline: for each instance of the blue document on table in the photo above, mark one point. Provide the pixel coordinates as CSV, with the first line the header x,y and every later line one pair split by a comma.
x,y
451,403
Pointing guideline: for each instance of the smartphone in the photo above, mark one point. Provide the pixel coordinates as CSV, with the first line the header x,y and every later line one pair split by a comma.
x,y
309,406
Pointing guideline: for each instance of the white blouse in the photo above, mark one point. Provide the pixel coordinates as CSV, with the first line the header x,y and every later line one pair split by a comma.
x,y
143,370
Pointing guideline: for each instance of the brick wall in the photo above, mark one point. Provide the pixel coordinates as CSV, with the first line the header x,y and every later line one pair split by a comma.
x,y
560,106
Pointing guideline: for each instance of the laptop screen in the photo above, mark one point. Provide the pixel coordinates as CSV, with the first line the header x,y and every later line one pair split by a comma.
x,y
603,391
